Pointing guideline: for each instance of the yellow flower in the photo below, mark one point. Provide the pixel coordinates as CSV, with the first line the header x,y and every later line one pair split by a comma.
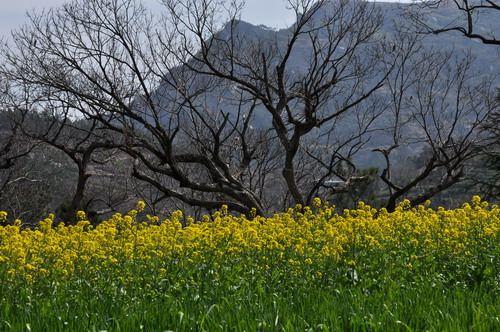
x,y
140,206
301,236
80,215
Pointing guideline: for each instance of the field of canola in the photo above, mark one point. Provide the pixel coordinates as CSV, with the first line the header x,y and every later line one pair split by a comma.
x,y
311,268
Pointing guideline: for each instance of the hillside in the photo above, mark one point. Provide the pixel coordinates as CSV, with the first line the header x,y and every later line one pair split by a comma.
x,y
486,63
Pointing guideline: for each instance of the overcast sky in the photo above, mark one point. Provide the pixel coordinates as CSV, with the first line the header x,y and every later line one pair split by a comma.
x,y
269,12
272,13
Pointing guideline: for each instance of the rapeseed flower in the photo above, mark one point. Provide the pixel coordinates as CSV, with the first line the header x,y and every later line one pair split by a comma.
x,y
300,238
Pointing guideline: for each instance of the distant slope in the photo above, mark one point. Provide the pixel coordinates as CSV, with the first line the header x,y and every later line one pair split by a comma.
x,y
487,59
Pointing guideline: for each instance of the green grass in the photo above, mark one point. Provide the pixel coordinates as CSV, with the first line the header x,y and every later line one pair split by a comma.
x,y
252,301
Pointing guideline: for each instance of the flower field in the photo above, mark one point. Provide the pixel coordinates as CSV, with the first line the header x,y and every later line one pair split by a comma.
x,y
311,268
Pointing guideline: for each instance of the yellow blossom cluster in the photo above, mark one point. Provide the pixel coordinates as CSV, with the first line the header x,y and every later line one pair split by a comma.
x,y
298,237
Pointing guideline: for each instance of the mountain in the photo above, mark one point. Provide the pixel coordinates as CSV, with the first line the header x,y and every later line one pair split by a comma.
x,y
487,58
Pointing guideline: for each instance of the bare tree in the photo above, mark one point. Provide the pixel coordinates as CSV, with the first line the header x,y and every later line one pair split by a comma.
x,y
437,107
9,150
488,165
13,146
301,100
22,193
476,20
42,119
465,17
82,142
208,113
98,60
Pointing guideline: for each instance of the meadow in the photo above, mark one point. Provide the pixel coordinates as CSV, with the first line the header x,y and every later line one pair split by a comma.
x,y
307,269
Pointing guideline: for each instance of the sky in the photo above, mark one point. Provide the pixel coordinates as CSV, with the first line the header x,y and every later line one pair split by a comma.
x,y
13,12
272,13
